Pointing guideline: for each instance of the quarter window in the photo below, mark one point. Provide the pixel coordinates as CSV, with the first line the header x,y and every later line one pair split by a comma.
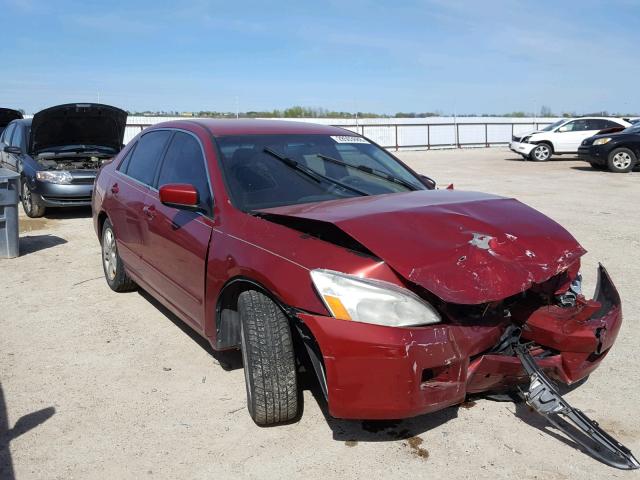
x,y
125,162
146,156
184,163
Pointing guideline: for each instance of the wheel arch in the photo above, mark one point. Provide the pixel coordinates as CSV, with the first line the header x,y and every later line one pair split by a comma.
x,y
547,142
228,325
100,219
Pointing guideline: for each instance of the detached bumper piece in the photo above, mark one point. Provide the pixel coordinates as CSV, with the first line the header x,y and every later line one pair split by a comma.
x,y
543,397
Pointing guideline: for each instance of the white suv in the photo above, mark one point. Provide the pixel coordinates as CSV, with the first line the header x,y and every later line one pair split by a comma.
x,y
563,136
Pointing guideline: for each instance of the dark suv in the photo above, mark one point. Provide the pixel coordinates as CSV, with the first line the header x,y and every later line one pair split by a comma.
x,y
617,151
59,152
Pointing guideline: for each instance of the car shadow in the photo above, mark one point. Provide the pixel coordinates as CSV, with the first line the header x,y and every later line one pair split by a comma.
x,y
35,243
24,424
553,159
351,431
228,360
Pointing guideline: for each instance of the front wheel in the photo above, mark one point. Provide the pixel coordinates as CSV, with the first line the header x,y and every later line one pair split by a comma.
x,y
269,360
621,160
31,202
541,153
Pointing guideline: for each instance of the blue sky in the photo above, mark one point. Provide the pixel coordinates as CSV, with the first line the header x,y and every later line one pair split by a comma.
x,y
384,56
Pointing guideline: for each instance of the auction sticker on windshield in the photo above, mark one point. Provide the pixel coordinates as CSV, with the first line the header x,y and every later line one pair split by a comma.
x,y
348,139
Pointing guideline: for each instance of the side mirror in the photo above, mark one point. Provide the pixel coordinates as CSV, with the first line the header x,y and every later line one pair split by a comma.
x,y
179,195
564,128
12,149
430,183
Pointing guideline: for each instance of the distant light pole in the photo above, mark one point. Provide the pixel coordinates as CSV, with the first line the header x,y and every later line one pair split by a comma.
x,y
237,107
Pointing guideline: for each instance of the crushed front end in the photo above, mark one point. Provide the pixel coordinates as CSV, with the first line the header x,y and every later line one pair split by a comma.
x,y
381,372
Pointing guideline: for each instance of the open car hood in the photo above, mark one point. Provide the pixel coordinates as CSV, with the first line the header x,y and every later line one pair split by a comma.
x,y
77,124
7,115
464,247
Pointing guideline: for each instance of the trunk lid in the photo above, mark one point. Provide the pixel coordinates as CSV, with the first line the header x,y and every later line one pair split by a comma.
x,y
464,247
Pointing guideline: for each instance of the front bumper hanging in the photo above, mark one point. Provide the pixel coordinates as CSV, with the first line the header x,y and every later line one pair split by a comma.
x,y
544,398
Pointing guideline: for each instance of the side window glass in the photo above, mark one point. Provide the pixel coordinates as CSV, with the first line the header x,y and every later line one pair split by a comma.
x,y
597,124
124,164
16,139
184,163
6,135
146,157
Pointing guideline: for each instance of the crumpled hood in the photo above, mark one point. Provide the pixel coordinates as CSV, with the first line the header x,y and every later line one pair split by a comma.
x,y
464,247
77,124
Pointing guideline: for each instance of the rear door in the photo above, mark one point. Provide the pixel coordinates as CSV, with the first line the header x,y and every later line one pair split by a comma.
x,y
127,193
177,240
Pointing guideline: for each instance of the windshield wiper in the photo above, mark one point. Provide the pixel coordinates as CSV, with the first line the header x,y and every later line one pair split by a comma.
x,y
310,172
370,171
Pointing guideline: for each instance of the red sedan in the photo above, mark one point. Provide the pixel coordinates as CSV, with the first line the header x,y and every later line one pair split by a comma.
x,y
303,244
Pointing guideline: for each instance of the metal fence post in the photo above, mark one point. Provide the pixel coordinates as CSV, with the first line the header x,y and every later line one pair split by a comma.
x,y
458,135
397,147
486,135
428,137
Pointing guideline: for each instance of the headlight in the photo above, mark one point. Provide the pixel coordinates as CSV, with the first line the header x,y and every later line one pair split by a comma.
x,y
371,301
525,139
602,141
54,177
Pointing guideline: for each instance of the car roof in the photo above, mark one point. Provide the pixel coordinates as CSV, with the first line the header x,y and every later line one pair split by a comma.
x,y
223,127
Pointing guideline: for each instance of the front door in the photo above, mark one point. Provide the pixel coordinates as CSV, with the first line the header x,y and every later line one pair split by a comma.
x,y
177,240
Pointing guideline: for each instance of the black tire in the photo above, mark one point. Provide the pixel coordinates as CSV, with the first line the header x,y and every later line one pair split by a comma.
x,y
31,202
541,153
621,160
269,360
597,166
112,265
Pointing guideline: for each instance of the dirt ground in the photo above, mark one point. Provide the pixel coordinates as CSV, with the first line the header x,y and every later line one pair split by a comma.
x,y
95,384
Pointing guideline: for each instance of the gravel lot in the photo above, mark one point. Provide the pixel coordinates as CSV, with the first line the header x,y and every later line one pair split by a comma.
x,y
95,384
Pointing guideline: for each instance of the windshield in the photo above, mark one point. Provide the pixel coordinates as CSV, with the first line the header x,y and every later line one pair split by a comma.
x,y
317,168
548,128
635,128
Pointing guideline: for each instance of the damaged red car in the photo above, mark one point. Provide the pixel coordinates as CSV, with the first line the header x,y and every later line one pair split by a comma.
x,y
303,244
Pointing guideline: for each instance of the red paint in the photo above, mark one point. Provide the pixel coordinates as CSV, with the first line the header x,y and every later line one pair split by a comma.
x,y
462,247
178,194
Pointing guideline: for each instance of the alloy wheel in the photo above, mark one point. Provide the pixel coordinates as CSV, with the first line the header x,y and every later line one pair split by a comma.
x,y
109,253
621,160
26,198
541,153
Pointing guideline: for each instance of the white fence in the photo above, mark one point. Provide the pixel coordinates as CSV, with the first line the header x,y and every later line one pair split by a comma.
x,y
408,133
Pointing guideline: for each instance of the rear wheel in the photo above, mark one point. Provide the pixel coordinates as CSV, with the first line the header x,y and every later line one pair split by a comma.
x,y
114,272
541,153
31,202
621,160
269,360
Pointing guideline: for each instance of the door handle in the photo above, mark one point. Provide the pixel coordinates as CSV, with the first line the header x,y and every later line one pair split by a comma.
x,y
149,211
115,189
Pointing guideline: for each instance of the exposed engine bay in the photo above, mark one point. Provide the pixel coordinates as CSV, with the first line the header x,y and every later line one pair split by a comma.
x,y
75,162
